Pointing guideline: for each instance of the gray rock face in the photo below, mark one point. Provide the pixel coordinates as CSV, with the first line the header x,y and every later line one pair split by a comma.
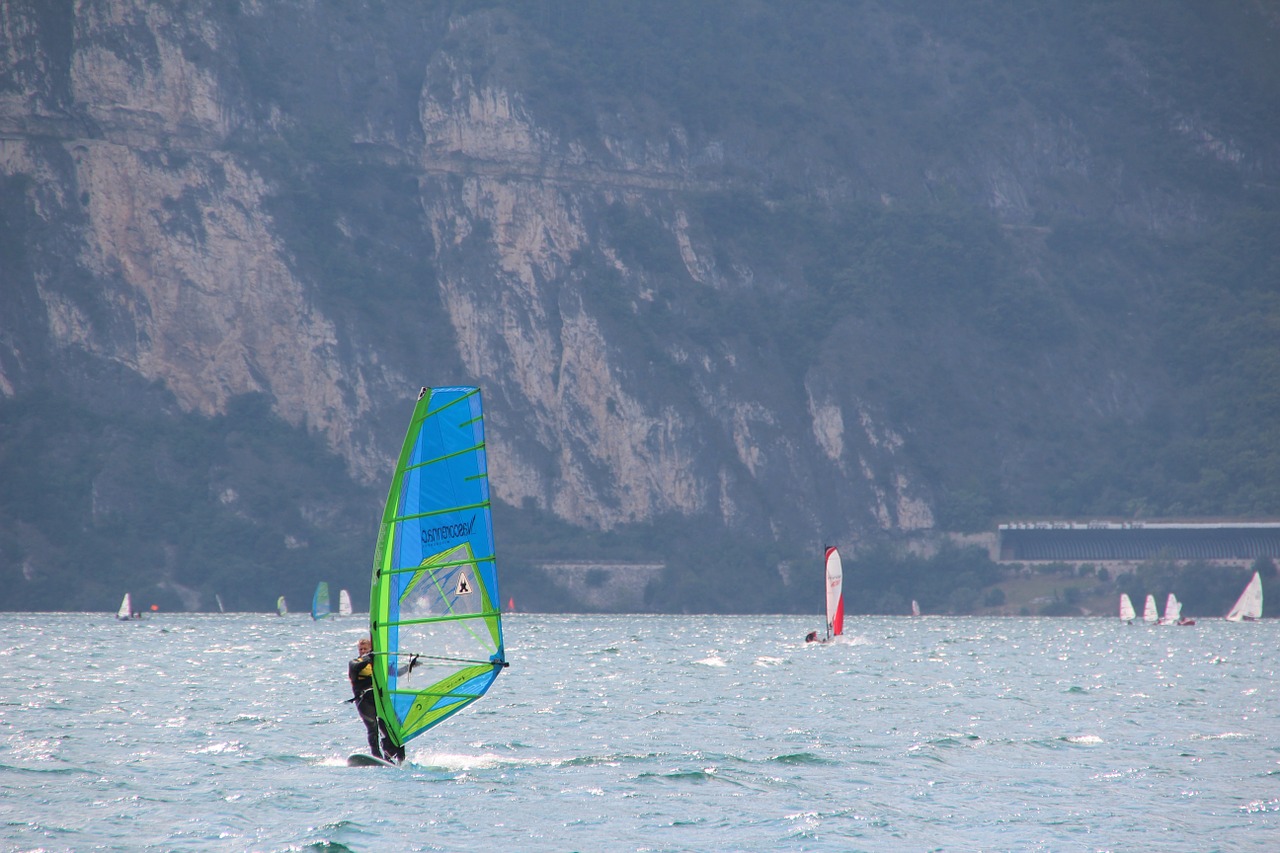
x,y
136,150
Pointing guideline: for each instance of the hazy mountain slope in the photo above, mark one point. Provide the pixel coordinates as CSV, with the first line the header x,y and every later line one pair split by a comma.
x,y
777,274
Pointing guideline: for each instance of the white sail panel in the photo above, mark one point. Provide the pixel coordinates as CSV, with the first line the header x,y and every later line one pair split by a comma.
x,y
1249,606
835,593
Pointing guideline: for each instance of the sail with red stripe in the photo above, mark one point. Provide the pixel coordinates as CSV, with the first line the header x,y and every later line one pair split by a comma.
x,y
835,593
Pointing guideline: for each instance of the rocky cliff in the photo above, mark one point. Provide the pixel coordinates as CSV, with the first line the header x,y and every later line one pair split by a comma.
x,y
328,204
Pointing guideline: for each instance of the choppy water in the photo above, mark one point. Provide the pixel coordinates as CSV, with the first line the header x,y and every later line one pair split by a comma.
x,y
649,733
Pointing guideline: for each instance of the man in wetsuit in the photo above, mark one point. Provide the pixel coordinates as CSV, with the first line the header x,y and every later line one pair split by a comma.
x,y
360,671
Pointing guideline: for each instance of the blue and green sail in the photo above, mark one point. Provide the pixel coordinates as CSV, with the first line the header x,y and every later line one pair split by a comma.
x,y
320,601
434,600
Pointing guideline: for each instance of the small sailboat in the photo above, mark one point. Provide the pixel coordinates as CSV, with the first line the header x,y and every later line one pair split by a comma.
x,y
915,607
126,608
344,603
434,607
281,606
834,574
218,599
1149,613
1127,613
1248,607
320,601
1172,610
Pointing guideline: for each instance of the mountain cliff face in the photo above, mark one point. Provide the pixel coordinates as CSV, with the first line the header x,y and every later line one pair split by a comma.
x,y
861,308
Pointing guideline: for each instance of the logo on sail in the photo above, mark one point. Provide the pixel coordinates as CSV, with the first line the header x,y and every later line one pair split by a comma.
x,y
445,532
464,585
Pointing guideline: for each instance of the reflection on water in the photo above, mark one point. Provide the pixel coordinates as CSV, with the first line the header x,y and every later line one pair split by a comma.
x,y
656,733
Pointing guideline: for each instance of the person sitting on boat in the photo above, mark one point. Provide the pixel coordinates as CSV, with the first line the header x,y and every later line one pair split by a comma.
x,y
360,673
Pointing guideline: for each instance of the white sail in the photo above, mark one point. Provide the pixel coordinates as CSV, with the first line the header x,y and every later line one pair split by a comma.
x,y
915,607
218,599
126,608
1127,613
1149,612
1172,610
835,594
1249,605
344,603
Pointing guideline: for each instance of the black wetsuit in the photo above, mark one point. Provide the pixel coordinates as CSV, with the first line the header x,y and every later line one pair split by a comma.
x,y
360,671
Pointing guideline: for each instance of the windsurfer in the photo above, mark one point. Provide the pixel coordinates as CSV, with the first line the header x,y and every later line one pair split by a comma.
x,y
811,637
360,672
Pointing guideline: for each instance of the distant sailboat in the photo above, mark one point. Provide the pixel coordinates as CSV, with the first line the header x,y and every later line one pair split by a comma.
x,y
834,574
344,603
1172,610
126,608
281,607
218,598
320,601
915,607
1127,613
1248,607
1149,613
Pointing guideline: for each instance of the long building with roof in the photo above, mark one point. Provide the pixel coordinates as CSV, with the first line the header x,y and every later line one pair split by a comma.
x,y
1137,541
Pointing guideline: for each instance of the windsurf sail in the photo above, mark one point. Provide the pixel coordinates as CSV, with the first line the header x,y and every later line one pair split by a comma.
x,y
126,608
1249,606
281,607
434,613
1149,612
915,607
835,593
218,599
1127,613
1172,610
320,601
344,603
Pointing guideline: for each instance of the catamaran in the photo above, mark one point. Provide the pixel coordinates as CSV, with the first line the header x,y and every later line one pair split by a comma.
x,y
834,573
1248,607
320,601
1127,613
344,603
434,597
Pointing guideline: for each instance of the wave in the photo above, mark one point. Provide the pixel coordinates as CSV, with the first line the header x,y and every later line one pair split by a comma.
x,y
801,758
1083,740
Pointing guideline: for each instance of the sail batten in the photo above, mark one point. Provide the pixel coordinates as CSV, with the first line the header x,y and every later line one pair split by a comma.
x,y
447,456
431,620
403,569
430,592
444,511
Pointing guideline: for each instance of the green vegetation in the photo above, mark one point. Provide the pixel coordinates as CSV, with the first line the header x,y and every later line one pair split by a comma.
x,y
173,510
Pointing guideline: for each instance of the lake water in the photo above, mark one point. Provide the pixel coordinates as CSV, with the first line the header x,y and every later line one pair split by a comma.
x,y
199,732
